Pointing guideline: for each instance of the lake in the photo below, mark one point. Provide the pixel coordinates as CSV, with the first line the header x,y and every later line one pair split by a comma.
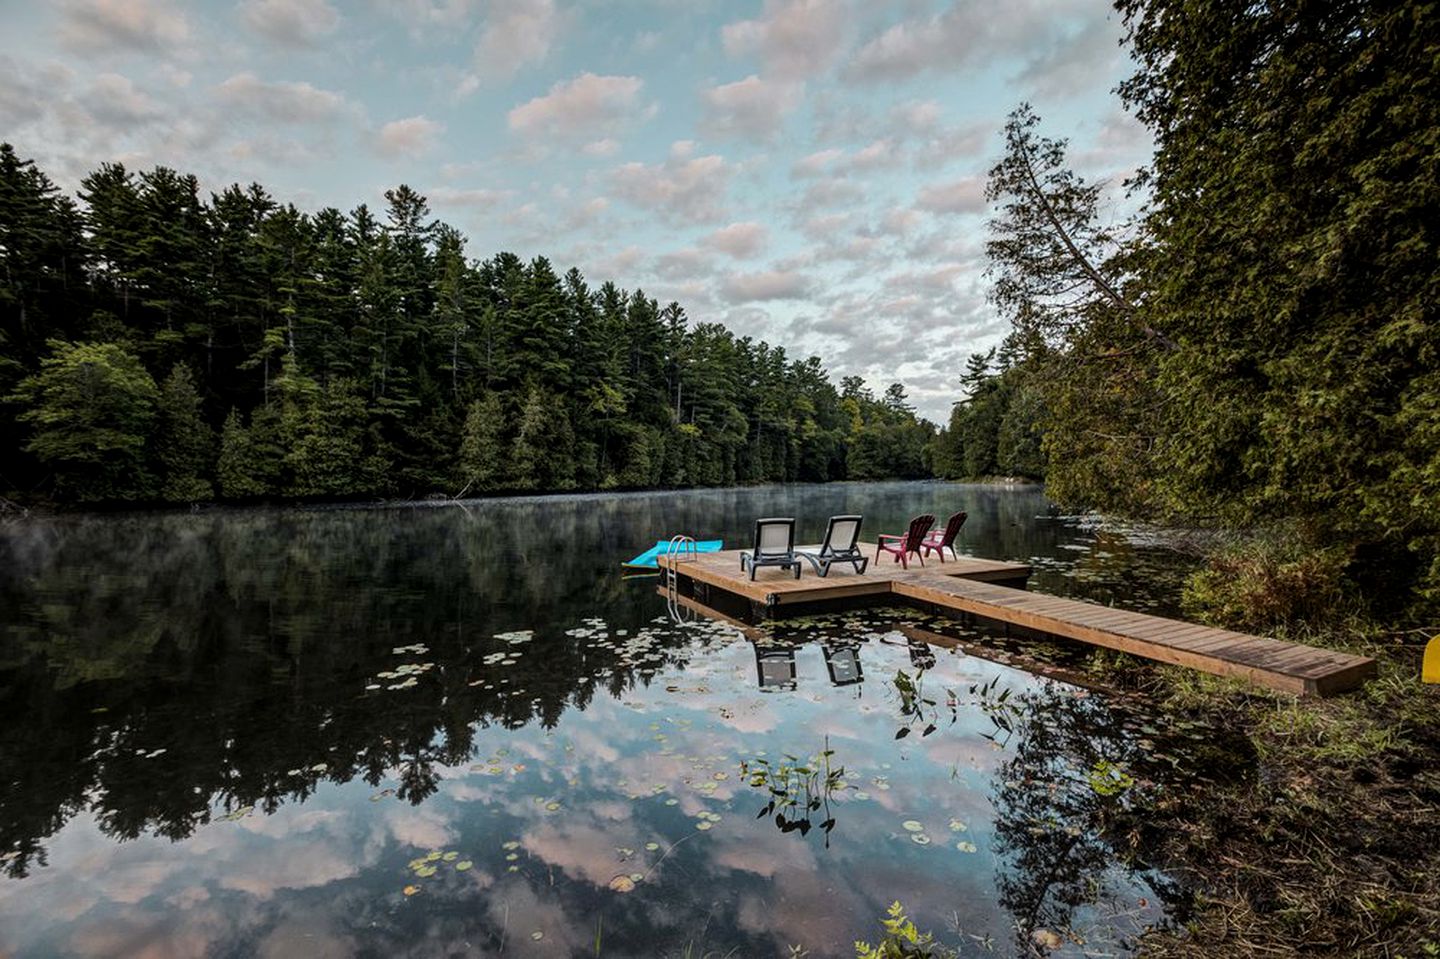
x,y
439,730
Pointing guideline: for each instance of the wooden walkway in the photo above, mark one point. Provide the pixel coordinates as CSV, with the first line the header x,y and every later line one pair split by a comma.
x,y
974,586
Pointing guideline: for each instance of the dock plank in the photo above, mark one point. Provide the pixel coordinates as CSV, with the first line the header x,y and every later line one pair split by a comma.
x,y
986,588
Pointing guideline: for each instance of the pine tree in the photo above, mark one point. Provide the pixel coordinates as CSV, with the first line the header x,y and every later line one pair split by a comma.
x,y
184,443
482,446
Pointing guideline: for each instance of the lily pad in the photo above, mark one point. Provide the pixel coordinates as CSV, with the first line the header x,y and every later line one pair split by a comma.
x,y
622,884
919,839
410,890
965,846
911,825
464,865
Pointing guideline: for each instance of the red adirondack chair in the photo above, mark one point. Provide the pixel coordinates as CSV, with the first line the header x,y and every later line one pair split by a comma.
x,y
939,540
902,546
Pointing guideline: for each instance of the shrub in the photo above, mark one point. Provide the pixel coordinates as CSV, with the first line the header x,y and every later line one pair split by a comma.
x,y
1270,582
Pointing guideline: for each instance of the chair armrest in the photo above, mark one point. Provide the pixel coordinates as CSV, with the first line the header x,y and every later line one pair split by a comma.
x,y
884,536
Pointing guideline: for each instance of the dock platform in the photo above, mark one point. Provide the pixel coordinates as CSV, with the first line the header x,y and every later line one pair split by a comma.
x,y
995,590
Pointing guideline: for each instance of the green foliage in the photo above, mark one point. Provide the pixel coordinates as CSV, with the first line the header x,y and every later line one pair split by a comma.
x,y
482,449
92,406
184,442
1269,582
998,429
357,345
250,457
902,940
1257,345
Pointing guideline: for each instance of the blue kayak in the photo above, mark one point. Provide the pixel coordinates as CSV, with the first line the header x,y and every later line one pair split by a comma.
x,y
647,559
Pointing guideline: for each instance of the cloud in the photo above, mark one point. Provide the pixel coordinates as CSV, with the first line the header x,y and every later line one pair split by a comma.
x,y
516,34
290,23
963,37
121,26
685,188
114,100
1069,64
739,240
768,285
580,107
965,195
751,109
793,39
609,146
410,138
473,198
281,101
817,163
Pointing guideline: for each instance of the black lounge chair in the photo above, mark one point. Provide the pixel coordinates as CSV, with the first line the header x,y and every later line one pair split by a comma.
x,y
841,545
774,546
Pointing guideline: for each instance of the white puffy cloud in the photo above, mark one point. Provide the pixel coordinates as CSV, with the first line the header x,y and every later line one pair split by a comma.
x,y
965,195
793,39
964,36
290,23
740,240
580,107
411,137
685,188
120,26
517,33
766,285
752,108
280,101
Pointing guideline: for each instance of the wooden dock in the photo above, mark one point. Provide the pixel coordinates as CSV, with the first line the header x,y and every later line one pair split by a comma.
x,y
988,589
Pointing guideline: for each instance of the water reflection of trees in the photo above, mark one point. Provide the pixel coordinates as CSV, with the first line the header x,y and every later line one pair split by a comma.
x,y
155,668
1056,833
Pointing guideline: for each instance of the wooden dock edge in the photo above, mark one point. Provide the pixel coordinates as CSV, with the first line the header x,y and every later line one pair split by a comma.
x,y
1348,672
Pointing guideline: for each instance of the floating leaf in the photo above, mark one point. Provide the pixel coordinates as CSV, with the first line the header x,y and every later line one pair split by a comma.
x,y
450,856
622,884
957,826
410,890
512,844
537,935
464,865
703,824
920,839
911,825
425,872
965,846
651,846
552,806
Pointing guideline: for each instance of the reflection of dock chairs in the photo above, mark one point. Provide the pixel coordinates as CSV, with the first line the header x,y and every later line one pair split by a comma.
x,y
921,655
843,662
775,666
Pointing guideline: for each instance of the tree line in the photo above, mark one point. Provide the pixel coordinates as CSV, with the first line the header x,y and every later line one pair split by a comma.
x,y
1257,347
159,345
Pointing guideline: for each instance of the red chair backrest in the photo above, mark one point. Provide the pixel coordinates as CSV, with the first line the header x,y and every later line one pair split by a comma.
x,y
952,528
919,526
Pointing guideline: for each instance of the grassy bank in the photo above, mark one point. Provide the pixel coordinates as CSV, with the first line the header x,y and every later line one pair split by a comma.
x,y
1333,847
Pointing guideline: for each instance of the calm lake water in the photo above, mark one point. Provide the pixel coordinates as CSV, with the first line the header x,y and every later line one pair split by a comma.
x,y
438,731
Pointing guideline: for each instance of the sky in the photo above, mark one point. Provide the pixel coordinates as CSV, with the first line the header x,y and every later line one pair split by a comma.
x,y
808,172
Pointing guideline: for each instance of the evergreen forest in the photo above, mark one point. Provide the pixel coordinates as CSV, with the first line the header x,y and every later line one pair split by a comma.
x,y
158,345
